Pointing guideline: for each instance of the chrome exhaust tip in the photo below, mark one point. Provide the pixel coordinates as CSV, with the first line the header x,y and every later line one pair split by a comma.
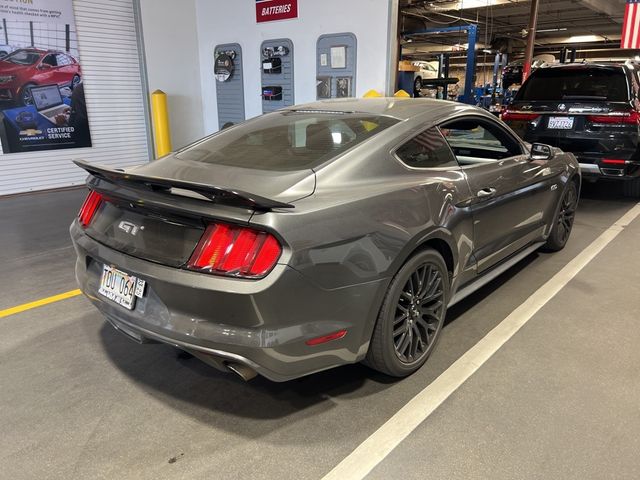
x,y
244,372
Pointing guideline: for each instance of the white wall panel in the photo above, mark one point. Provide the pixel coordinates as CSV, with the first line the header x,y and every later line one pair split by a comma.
x,y
115,97
171,44
234,21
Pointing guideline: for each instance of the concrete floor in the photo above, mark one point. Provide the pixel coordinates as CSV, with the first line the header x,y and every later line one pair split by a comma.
x,y
559,400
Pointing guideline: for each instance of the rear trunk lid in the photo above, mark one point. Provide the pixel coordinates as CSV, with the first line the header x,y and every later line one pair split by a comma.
x,y
159,211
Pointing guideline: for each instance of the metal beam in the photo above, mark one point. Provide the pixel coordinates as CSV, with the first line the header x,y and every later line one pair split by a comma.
x,y
531,41
393,48
472,32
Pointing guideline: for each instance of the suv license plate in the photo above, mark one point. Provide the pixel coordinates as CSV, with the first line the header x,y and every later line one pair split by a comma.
x,y
120,287
561,123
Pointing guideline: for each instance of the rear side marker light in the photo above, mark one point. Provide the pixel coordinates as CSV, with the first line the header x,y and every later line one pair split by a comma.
x,y
235,251
89,208
614,161
326,338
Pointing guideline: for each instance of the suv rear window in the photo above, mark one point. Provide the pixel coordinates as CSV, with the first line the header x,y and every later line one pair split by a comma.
x,y
566,84
284,141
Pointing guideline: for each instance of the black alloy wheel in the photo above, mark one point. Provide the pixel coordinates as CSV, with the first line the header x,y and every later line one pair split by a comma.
x,y
418,313
563,226
411,316
26,97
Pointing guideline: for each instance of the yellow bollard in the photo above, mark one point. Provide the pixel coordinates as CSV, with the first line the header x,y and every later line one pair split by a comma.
x,y
161,128
372,94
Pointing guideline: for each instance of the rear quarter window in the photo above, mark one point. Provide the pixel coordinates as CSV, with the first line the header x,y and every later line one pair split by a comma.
x,y
427,150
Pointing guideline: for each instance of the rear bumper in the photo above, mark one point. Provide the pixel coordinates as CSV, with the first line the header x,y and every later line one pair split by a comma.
x,y
593,150
262,324
596,168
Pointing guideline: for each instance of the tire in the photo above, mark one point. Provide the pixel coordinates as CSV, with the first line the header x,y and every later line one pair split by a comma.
x,y
25,97
631,188
401,352
417,87
563,223
75,81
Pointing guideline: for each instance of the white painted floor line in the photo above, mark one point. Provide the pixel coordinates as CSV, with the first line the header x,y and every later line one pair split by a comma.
x,y
382,442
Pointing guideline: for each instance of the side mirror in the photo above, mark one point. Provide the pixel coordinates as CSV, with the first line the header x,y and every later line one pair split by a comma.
x,y
540,151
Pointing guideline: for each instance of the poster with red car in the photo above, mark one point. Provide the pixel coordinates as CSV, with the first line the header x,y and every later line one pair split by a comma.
x,y
42,102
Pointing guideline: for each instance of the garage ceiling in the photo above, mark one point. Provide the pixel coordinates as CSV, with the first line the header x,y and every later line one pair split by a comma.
x,y
584,24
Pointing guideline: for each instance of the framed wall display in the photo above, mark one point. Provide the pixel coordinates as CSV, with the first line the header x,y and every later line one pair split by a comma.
x,y
272,65
336,61
339,57
272,93
276,69
229,83
343,87
101,38
323,87
43,104
223,64
275,51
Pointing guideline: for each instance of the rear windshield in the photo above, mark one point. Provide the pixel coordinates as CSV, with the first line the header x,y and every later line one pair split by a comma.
x,y
284,141
566,84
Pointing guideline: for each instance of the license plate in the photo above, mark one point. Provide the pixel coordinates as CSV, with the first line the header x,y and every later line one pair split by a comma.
x,y
120,287
561,123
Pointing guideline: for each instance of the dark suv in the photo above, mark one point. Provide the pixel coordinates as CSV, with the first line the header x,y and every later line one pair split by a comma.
x,y
591,110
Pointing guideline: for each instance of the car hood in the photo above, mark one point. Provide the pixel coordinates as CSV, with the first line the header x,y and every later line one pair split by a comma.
x,y
280,186
8,67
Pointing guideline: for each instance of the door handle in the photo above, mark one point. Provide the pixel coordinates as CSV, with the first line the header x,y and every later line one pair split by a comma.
x,y
486,192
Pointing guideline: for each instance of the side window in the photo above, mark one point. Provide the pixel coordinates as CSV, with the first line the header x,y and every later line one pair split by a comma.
x,y
62,60
476,141
427,150
50,60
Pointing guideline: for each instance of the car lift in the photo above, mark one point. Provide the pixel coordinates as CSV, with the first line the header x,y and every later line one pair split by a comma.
x,y
472,32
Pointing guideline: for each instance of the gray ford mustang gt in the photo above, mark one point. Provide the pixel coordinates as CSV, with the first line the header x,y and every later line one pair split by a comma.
x,y
319,235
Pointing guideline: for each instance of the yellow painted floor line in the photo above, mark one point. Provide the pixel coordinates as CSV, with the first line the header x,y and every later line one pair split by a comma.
x,y
39,303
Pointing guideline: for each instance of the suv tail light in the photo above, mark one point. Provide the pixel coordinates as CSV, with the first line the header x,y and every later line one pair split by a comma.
x,y
513,116
632,118
89,208
235,251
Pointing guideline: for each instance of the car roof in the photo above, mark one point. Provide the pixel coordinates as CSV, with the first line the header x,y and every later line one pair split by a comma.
x,y
399,108
576,65
38,50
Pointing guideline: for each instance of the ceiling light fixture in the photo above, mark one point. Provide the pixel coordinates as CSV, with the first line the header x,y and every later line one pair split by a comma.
x,y
585,39
470,4
544,30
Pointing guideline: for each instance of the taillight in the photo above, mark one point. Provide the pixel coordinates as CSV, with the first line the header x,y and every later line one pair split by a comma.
x,y
510,115
235,251
89,208
631,118
613,161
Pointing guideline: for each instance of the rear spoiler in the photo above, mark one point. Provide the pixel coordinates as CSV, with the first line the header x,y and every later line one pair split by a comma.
x,y
223,195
